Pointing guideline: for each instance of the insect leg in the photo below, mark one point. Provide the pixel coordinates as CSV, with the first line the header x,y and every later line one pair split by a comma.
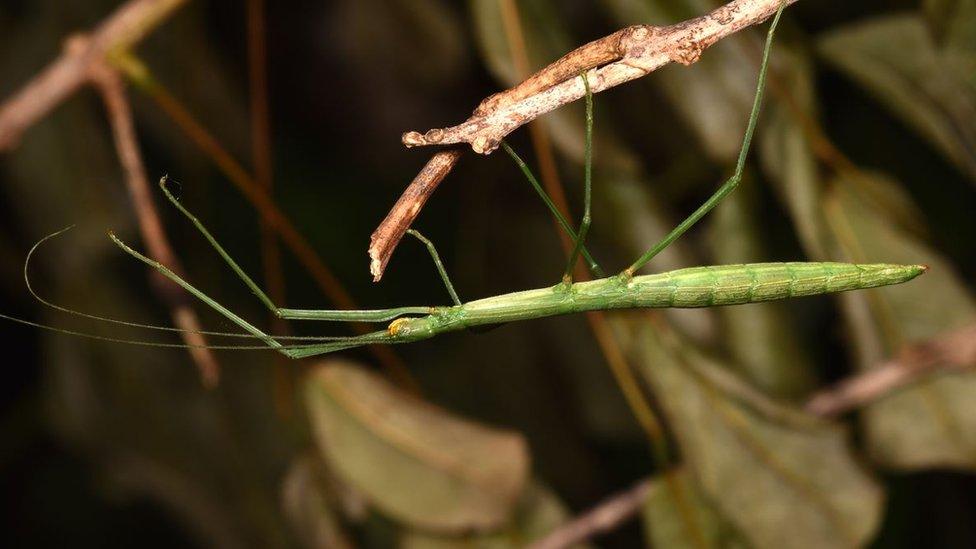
x,y
733,181
587,183
299,351
375,315
591,263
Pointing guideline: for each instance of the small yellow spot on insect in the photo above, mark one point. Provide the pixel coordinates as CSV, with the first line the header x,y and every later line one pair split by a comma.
x,y
394,328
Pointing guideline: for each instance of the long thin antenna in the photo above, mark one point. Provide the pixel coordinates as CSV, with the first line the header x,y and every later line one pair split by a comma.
x,y
74,312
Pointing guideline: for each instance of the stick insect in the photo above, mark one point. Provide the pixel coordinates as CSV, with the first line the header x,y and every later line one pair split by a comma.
x,y
691,287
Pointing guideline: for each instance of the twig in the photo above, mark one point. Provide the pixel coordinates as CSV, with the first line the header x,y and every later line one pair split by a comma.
x,y
124,27
389,232
950,352
606,516
623,56
112,90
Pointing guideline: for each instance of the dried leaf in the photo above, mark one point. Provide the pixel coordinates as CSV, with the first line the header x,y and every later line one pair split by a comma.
x,y
780,477
897,59
933,423
539,511
413,461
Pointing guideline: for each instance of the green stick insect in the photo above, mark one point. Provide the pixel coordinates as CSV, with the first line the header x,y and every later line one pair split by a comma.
x,y
693,287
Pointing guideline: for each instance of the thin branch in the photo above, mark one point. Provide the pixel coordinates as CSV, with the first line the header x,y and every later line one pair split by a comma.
x,y
124,27
605,517
950,352
119,114
389,232
623,56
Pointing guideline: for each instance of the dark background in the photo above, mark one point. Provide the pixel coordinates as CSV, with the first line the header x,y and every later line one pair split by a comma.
x,y
78,419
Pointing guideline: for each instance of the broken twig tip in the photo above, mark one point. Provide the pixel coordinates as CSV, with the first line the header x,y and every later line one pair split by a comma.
x,y
375,265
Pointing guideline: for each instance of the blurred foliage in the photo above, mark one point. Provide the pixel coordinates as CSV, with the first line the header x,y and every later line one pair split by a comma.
x,y
782,478
866,151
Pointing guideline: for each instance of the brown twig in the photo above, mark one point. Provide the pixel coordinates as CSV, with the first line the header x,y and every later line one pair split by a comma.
x,y
606,516
951,352
124,27
623,56
112,90
389,232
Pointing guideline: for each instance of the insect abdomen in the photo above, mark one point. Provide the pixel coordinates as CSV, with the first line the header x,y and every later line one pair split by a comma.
x,y
757,282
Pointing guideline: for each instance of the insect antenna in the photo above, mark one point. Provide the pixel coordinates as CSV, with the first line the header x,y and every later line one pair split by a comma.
x,y
131,324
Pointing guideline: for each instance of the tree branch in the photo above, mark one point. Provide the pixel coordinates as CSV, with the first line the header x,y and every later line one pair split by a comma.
x,y
623,56
389,232
124,27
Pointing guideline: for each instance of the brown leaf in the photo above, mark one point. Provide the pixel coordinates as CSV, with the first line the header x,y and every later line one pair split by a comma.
x,y
780,477
415,462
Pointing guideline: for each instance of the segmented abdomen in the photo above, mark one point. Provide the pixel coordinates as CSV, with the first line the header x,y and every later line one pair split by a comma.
x,y
752,283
